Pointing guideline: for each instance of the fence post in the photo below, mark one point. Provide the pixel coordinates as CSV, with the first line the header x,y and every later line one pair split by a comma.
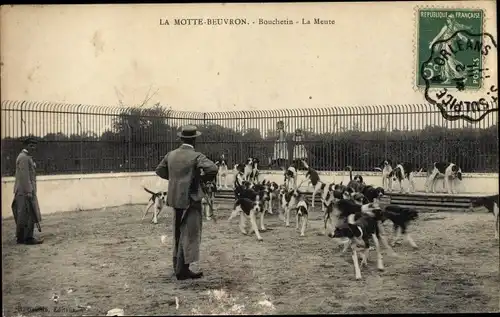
x,y
22,118
80,131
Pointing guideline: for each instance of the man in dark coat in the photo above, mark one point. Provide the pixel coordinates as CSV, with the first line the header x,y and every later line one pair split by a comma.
x,y
25,204
181,167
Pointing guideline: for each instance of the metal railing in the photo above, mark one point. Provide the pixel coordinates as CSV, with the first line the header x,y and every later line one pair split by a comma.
x,y
96,139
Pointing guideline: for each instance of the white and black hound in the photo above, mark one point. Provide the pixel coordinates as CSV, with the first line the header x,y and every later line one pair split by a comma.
x,y
313,177
159,200
361,225
248,169
302,214
207,202
222,173
355,183
249,204
490,203
254,175
272,188
405,171
289,202
387,174
401,218
451,173
291,178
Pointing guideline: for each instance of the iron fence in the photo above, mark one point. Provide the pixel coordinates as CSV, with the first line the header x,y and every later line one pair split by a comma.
x,y
96,139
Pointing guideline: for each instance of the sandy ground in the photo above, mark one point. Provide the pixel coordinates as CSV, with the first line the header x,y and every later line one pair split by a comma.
x,y
103,259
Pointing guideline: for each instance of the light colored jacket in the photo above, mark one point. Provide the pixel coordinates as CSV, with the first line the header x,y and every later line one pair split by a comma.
x,y
25,182
181,168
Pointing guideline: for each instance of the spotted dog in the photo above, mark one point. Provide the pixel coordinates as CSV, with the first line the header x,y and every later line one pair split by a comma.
x,y
254,175
351,205
289,202
302,214
490,203
272,188
405,172
387,174
327,207
356,183
451,172
291,178
249,204
159,200
360,226
281,199
248,169
313,177
223,172
401,217
207,202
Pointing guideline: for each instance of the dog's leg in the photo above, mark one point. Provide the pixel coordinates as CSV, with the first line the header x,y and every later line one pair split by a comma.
x,y
305,220
262,226
364,257
380,263
270,204
397,234
234,213
384,240
297,219
357,270
389,181
147,209
243,223
412,182
156,211
287,216
253,222
325,221
346,245
410,241
429,182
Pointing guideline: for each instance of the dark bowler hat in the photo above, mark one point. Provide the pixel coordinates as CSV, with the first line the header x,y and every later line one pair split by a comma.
x,y
189,131
29,140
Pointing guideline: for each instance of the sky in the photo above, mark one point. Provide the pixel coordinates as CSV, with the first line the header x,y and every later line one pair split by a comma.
x,y
109,55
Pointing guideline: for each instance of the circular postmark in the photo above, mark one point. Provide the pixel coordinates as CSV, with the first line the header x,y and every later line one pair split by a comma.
x,y
460,76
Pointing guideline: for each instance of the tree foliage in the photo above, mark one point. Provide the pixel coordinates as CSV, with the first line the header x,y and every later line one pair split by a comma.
x,y
140,137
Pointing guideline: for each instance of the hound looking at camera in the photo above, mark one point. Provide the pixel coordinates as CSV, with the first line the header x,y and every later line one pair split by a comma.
x,y
302,214
359,228
248,169
387,174
313,177
249,205
272,188
490,203
207,202
289,202
223,172
451,172
254,175
159,200
291,178
405,172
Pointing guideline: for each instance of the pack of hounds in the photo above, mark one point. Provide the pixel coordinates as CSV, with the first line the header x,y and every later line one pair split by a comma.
x,y
353,212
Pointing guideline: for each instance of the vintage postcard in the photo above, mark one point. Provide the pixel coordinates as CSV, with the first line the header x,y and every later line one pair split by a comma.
x,y
250,158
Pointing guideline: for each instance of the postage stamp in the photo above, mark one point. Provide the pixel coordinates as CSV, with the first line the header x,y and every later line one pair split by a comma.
x,y
456,63
435,27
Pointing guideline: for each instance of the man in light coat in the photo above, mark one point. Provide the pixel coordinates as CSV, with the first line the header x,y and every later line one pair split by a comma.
x,y
25,204
181,167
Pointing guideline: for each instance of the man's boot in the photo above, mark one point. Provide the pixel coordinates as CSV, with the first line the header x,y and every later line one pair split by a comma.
x,y
186,273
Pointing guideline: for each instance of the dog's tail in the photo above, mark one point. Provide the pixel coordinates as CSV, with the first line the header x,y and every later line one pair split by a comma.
x,y
149,191
305,164
350,172
377,169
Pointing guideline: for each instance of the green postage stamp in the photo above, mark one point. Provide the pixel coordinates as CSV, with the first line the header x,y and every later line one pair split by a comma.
x,y
450,34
